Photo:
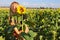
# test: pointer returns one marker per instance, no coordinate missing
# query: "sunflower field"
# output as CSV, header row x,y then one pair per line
x,y
44,24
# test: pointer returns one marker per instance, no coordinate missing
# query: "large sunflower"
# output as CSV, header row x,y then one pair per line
x,y
21,9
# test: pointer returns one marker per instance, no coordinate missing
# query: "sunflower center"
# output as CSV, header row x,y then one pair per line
x,y
21,9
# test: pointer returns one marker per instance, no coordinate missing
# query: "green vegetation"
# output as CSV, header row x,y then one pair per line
x,y
1,38
44,24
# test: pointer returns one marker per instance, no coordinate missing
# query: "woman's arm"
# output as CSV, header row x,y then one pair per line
x,y
27,29
17,31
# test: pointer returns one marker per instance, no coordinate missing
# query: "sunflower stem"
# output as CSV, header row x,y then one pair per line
x,y
22,23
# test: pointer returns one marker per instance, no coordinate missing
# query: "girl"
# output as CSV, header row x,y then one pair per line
x,y
13,22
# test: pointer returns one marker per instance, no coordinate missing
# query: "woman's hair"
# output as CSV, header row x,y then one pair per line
x,y
13,3
11,7
11,10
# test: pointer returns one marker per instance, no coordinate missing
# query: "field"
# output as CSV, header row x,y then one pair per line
x,y
44,24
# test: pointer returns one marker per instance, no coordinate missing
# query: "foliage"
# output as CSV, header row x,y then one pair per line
x,y
44,24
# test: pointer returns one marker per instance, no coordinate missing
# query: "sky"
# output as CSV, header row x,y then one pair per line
x,y
33,3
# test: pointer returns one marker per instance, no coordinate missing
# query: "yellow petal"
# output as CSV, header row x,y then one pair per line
x,y
21,10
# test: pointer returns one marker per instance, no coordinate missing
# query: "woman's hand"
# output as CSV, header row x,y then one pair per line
x,y
17,31
27,29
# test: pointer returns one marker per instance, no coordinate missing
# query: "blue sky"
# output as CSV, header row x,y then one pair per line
x,y
33,3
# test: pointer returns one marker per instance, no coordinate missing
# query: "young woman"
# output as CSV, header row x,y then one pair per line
x,y
13,22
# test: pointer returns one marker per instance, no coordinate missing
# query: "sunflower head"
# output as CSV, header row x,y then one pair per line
x,y
21,10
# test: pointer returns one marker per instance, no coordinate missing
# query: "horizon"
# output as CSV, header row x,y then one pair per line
x,y
26,7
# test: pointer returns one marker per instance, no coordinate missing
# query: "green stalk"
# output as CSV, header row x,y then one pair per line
x,y
54,35
22,23
56,20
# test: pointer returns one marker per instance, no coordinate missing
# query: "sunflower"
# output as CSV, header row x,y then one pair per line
x,y
21,9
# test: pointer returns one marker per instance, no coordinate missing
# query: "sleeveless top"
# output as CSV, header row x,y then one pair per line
x,y
18,19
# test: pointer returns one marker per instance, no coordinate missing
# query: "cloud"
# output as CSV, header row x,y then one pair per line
x,y
28,4
54,5
43,5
